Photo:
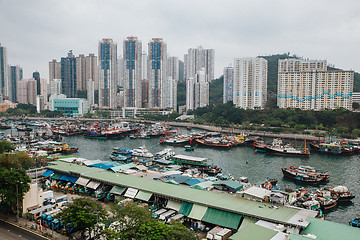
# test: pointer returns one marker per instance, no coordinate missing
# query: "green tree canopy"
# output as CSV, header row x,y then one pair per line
x,y
16,160
6,146
84,214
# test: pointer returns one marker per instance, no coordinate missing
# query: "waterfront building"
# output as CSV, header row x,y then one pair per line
x,y
55,87
157,57
132,72
86,68
228,84
70,106
134,112
68,75
15,75
54,70
91,92
3,72
250,83
307,84
198,58
107,73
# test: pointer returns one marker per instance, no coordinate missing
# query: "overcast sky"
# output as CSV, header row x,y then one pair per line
x,y
37,31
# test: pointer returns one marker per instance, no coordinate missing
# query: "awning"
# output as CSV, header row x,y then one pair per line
x,y
142,195
177,216
117,190
93,185
56,176
131,192
69,178
160,211
197,212
222,218
186,208
173,205
164,215
82,181
47,173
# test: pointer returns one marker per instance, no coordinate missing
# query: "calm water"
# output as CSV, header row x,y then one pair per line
x,y
242,161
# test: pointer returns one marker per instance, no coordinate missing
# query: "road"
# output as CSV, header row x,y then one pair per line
x,y
10,231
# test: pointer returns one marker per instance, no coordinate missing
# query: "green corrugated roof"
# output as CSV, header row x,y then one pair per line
x,y
254,232
67,167
211,199
142,195
117,190
197,212
323,229
185,208
247,221
222,218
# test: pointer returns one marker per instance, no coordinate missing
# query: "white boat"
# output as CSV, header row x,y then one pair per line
x,y
142,152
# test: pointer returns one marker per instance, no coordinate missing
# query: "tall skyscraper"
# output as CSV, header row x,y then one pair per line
x,y
3,72
86,68
190,94
54,70
43,92
32,91
107,73
91,92
157,57
201,89
228,84
250,83
172,82
36,76
68,75
307,84
132,72
198,58
22,96
55,87
15,75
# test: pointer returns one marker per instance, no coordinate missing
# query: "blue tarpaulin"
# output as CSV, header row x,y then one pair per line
x,y
47,173
69,178
104,165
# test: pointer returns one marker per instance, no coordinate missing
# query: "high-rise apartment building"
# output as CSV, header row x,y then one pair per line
x,y
68,75
107,73
36,76
132,72
172,82
54,70
43,91
27,91
86,68
199,59
250,83
91,92
173,68
55,87
3,73
15,75
201,89
157,57
307,84
190,94
228,84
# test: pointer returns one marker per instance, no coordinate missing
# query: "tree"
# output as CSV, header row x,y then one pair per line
x,y
135,222
84,214
6,146
14,184
16,160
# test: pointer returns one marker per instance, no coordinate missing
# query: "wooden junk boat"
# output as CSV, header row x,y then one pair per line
x,y
305,174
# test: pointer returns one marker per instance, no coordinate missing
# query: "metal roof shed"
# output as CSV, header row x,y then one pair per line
x,y
82,181
117,190
230,185
93,185
181,179
131,192
47,173
142,195
197,212
254,232
222,218
194,181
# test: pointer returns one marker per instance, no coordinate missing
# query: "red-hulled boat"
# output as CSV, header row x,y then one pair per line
x,y
342,193
213,143
305,174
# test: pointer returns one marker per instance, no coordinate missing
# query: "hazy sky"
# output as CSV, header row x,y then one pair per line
x,y
37,31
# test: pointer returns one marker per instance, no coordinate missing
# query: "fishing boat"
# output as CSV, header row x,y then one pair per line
x,y
176,141
335,148
342,193
287,150
213,143
260,146
305,174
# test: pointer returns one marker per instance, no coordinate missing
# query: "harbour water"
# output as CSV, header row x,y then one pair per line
x,y
243,161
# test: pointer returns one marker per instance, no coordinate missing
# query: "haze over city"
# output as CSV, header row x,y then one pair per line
x,y
35,32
